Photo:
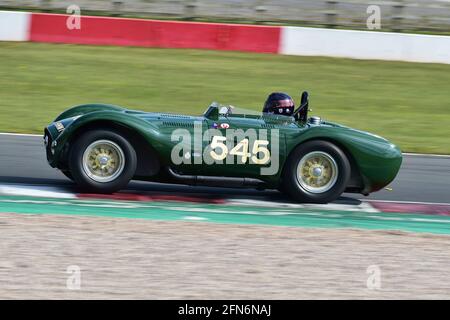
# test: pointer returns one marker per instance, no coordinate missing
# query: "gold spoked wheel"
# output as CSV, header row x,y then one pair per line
x,y
317,172
103,161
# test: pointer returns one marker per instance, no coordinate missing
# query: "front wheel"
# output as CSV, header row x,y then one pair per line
x,y
102,161
316,171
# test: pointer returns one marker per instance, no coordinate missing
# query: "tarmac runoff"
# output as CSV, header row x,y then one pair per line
x,y
421,217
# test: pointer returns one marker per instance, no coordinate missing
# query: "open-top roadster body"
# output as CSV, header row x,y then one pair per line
x,y
102,147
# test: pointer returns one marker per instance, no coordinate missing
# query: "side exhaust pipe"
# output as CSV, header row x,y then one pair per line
x,y
224,182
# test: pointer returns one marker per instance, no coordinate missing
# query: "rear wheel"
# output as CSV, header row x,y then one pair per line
x,y
316,171
102,161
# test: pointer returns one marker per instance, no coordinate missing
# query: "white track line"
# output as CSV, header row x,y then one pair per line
x,y
363,206
35,191
426,155
21,134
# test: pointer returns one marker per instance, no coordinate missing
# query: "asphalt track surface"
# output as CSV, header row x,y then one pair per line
x,y
421,178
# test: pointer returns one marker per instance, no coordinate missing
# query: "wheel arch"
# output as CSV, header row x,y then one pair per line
x,y
148,161
84,109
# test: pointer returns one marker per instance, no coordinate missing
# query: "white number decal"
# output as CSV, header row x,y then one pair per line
x,y
244,153
218,142
241,149
258,147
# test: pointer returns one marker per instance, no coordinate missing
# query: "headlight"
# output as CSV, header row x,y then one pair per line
x,y
52,149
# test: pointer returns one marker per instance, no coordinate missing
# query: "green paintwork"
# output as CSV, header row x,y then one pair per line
x,y
230,214
375,159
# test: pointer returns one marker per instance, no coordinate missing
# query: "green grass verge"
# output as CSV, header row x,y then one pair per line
x,y
408,103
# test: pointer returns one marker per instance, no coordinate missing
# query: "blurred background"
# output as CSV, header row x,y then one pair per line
x,y
399,15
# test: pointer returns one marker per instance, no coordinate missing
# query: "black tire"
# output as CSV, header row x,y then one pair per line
x,y
79,173
67,174
290,181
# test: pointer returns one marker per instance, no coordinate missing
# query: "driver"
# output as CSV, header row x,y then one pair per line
x,y
279,103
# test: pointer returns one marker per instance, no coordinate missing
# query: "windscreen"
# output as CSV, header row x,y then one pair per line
x,y
234,111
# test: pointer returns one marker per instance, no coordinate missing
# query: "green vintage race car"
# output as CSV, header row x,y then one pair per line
x,y
102,147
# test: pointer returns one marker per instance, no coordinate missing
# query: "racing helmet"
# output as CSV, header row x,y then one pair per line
x,y
279,103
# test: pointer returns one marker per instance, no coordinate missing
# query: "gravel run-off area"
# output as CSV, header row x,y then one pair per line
x,y
142,259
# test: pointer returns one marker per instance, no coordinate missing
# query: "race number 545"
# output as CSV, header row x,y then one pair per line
x,y
260,153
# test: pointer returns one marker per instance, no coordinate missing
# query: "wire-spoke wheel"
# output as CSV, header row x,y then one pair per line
x,y
102,161
316,171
